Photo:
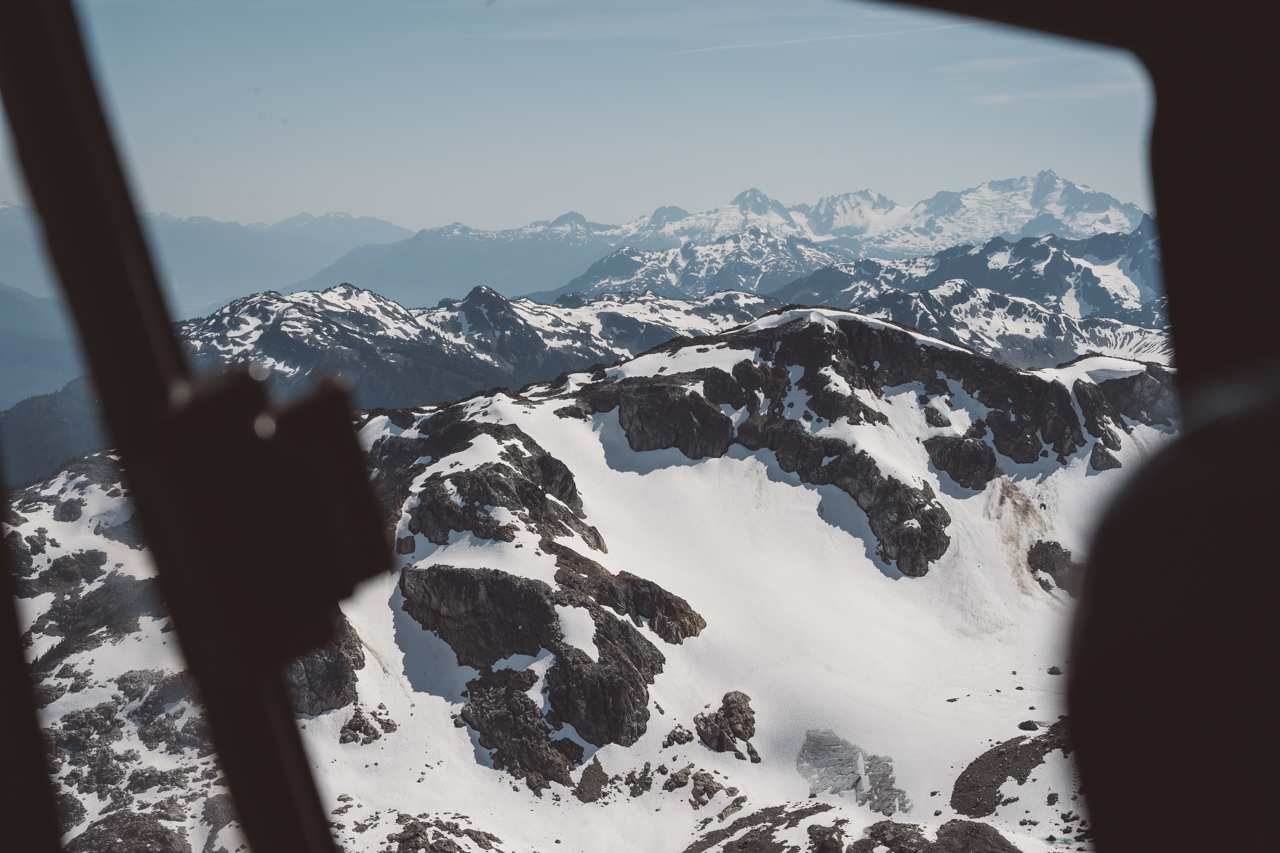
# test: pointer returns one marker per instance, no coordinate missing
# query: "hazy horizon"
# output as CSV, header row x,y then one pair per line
x,y
497,115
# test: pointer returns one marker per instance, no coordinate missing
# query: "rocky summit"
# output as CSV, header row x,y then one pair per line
x,y
795,585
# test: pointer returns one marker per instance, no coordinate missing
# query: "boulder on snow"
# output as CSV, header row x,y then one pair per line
x,y
970,462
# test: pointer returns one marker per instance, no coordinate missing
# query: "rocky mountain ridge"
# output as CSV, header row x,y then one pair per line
x,y
795,584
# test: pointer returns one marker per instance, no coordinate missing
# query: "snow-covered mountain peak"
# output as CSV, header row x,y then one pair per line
x,y
798,582
753,201
665,214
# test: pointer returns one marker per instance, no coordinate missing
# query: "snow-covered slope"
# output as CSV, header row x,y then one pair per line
x,y
1115,276
753,260
799,585
393,356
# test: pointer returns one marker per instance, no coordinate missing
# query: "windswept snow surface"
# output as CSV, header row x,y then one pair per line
x,y
911,678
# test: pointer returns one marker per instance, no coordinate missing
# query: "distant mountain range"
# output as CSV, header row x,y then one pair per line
x,y
37,349
541,258
390,355
394,356
206,263
1115,276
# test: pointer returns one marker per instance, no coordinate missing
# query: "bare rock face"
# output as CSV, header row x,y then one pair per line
x,y
1149,397
669,615
977,789
325,679
661,412
487,616
606,701
1101,459
1055,561
107,612
832,764
759,831
130,832
483,614
732,721
71,812
954,836
535,486
511,725
969,462
1100,418
657,416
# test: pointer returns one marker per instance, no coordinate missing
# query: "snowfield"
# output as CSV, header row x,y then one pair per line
x,y
818,541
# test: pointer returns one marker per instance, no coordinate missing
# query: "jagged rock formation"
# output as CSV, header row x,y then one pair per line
x,y
130,832
832,764
325,679
825,425
954,836
1027,415
758,831
969,462
538,489
669,616
1055,561
487,616
977,789
732,721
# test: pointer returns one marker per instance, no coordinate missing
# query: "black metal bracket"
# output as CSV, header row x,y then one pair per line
x,y
260,519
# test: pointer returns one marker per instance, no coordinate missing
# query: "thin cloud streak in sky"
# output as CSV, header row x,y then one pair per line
x,y
821,38
1073,94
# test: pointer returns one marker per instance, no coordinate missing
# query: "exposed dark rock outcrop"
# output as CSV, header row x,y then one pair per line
x,y
535,486
908,521
1055,561
325,679
486,616
114,605
71,812
1101,459
592,784
954,836
757,832
977,789
970,462
669,615
147,694
1100,418
433,836
1149,397
732,721
678,736
359,729
656,416
216,813
511,725
65,574
130,832
483,614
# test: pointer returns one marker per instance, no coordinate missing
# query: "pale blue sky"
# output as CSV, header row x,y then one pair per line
x,y
496,114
